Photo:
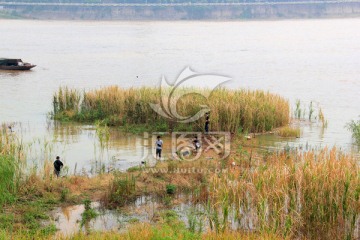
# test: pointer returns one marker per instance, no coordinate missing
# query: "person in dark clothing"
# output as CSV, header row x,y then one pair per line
x,y
57,166
207,122
196,143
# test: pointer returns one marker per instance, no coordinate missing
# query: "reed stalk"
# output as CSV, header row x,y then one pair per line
x,y
294,195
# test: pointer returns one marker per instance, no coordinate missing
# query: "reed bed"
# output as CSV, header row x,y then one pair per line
x,y
290,194
230,110
289,132
298,195
10,154
285,195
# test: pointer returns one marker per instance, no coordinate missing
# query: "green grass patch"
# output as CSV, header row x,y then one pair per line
x,y
354,127
289,132
7,179
134,169
121,191
89,213
170,188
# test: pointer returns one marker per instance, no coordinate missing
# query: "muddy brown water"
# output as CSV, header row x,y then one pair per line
x,y
146,209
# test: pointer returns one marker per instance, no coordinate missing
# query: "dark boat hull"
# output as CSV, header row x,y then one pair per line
x,y
22,68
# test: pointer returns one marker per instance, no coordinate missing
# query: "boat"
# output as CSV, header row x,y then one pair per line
x,y
14,64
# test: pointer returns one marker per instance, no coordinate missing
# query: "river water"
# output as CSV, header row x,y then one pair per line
x,y
310,60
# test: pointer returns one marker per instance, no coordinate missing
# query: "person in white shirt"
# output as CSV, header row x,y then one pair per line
x,y
159,144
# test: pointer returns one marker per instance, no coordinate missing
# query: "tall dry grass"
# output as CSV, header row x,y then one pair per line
x,y
311,195
295,195
145,231
231,110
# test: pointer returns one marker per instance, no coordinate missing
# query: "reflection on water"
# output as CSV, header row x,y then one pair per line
x,y
66,133
149,209
68,219
144,209
80,150
79,147
84,150
312,134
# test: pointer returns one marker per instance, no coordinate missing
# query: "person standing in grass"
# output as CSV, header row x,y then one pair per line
x,y
57,166
207,122
158,144
196,143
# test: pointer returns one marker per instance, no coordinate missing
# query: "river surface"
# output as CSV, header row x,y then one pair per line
x,y
310,60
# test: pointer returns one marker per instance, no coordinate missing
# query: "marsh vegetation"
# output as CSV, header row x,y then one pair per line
x,y
231,110
280,195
